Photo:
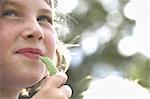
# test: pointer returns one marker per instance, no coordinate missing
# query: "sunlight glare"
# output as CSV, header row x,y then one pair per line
x,y
115,87
139,41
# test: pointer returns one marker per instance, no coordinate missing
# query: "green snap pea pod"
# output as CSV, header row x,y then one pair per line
x,y
49,64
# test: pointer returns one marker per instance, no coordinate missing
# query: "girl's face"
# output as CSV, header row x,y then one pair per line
x,y
26,33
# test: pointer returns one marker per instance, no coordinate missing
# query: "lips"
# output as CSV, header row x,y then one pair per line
x,y
32,53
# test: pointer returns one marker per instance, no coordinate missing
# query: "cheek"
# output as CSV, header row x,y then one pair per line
x,y
6,40
4,43
50,43
9,31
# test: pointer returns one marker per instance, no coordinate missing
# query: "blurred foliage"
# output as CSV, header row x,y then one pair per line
x,y
106,59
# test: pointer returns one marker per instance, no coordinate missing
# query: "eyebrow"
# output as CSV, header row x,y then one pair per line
x,y
48,11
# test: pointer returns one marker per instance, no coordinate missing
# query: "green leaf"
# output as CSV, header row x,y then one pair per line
x,y
50,65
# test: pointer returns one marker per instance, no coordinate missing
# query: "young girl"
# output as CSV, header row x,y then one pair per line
x,y
26,33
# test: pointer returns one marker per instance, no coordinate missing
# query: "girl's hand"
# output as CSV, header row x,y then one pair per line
x,y
54,87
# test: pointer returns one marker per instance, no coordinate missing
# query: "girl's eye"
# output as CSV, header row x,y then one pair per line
x,y
44,19
9,13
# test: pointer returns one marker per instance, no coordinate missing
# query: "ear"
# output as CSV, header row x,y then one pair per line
x,y
60,60
62,57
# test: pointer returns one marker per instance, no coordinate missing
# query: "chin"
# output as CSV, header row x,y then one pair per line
x,y
32,78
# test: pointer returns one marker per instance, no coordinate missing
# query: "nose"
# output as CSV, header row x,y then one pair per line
x,y
32,31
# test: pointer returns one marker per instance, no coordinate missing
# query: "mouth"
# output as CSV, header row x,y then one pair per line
x,y
32,53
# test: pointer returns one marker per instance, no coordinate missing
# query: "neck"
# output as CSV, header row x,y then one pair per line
x,y
8,90
9,93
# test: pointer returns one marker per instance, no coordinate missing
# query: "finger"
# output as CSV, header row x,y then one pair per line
x,y
66,90
57,80
43,82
